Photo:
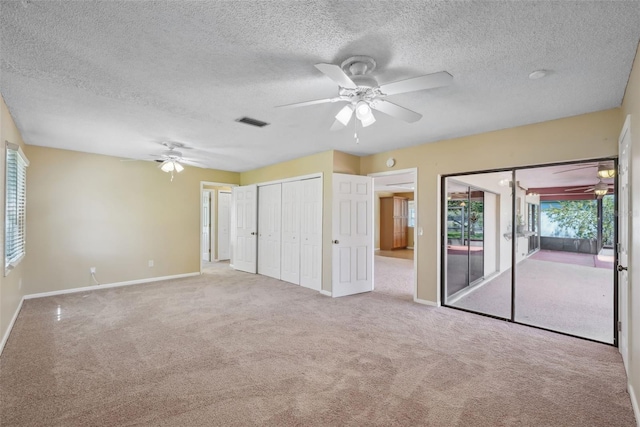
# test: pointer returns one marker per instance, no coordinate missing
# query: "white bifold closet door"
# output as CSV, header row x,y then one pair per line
x,y
311,234
269,229
291,204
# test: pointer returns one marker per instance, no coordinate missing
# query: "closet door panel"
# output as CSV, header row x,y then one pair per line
x,y
311,234
291,207
269,229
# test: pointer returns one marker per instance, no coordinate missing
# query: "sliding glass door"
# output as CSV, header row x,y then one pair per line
x,y
534,246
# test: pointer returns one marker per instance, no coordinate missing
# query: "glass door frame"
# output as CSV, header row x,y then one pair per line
x,y
512,170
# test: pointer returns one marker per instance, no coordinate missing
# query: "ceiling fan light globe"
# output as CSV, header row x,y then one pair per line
x,y
167,166
345,114
178,167
605,171
600,191
362,110
368,120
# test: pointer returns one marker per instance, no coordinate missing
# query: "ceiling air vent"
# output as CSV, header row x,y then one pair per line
x,y
252,122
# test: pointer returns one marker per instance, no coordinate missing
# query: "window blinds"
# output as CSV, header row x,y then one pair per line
x,y
15,206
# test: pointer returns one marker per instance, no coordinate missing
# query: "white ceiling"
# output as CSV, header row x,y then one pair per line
x,y
118,77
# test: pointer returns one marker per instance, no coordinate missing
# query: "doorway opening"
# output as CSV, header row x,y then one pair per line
x,y
215,225
534,246
395,225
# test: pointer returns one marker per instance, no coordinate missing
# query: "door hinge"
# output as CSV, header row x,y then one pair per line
x,y
619,326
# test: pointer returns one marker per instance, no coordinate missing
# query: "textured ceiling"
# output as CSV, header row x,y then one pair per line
x,y
117,77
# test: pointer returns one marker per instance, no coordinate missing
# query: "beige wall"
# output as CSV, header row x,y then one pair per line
x,y
12,287
631,105
346,163
89,210
575,138
316,163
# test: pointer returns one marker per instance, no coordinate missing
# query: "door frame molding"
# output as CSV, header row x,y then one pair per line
x,y
202,190
293,178
416,234
626,129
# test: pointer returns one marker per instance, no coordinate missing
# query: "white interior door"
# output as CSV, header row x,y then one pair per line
x,y
206,224
623,241
352,234
244,228
224,225
311,234
269,229
291,203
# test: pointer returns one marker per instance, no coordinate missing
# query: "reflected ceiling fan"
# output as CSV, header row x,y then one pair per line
x,y
605,169
362,93
600,189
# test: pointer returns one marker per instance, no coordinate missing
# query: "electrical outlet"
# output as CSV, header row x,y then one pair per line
x,y
150,263
92,270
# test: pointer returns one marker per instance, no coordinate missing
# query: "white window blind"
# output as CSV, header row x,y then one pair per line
x,y
15,206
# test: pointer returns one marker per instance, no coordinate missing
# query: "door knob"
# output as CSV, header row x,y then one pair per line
x,y
253,233
621,268
335,242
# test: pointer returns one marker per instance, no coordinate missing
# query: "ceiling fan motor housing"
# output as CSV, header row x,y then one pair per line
x,y
172,155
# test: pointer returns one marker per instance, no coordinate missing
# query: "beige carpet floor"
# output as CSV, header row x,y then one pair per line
x,y
568,298
394,277
234,349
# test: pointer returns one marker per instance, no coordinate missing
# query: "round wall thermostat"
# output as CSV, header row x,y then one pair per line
x,y
391,162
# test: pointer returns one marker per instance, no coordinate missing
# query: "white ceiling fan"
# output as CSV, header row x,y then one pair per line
x,y
172,159
362,93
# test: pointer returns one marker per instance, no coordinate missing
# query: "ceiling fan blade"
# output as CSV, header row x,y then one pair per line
x,y
580,188
337,125
428,81
314,102
395,110
575,169
192,163
336,74
588,190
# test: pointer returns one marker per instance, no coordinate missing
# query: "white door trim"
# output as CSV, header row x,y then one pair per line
x,y
202,185
416,229
623,341
294,178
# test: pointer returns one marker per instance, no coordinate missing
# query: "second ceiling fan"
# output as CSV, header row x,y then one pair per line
x,y
362,93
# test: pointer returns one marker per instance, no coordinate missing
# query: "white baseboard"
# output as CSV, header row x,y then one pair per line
x,y
426,302
410,247
634,403
109,285
327,293
376,249
13,320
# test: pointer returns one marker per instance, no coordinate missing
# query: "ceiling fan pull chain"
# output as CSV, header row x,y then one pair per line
x,y
355,131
